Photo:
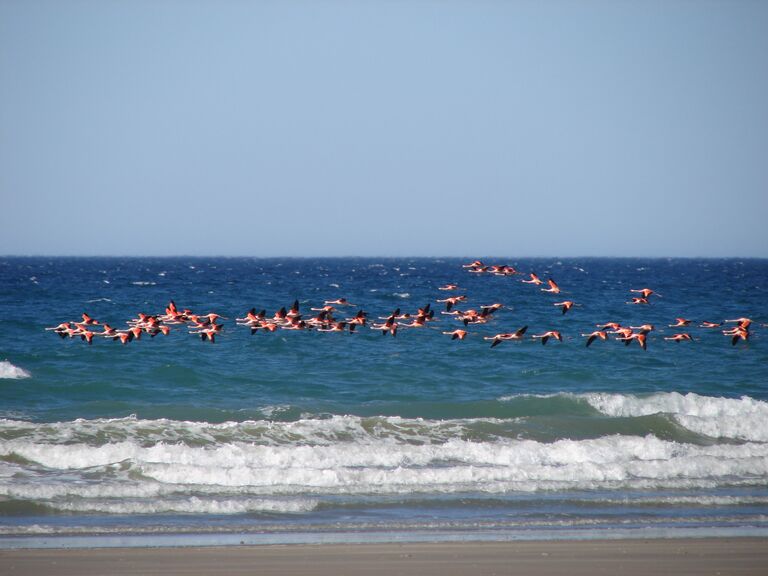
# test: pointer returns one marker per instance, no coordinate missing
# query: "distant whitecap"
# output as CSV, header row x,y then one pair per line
x,y
11,372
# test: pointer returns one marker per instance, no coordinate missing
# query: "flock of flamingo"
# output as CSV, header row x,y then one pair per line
x,y
323,319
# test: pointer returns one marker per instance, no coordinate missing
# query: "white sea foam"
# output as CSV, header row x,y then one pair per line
x,y
703,500
190,505
9,371
387,466
743,418
307,431
129,465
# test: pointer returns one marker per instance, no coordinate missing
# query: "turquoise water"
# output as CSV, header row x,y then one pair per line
x,y
301,435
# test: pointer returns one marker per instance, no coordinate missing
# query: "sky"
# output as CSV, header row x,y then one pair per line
x,y
384,128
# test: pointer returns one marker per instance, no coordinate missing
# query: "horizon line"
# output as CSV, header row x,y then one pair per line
x,y
352,256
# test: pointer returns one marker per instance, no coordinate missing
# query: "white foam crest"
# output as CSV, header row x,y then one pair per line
x,y
704,500
744,418
308,431
11,372
191,505
382,466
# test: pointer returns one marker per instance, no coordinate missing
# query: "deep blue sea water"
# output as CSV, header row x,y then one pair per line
x,y
312,436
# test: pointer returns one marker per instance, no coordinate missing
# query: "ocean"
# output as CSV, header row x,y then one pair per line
x,y
310,436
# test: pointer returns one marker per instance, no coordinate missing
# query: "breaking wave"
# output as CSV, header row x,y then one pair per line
x,y
11,372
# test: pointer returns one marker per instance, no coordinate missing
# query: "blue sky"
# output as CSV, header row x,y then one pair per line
x,y
389,128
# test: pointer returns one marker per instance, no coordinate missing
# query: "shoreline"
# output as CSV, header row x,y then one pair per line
x,y
236,539
734,556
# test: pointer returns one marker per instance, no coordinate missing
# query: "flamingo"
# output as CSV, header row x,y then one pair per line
x,y
457,334
62,329
553,287
490,308
124,337
339,302
592,336
679,337
644,292
87,320
209,332
155,330
389,326
499,338
639,338
742,322
738,334
547,335
533,279
449,302
337,327
107,331
294,311
566,305
358,320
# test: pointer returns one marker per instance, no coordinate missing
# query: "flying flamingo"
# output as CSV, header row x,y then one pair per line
x,y
547,335
594,335
639,338
737,334
499,338
457,334
449,302
566,305
534,279
679,337
644,292
339,302
553,287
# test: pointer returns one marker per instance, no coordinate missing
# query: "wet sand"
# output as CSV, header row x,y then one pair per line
x,y
736,556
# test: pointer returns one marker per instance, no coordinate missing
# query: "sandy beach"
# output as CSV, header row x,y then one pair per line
x,y
737,556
